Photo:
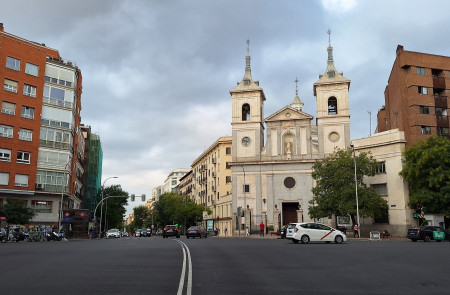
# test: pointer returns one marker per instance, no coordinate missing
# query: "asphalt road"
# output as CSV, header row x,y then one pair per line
x,y
223,266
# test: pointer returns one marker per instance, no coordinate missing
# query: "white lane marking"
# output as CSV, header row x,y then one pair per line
x,y
189,274
181,285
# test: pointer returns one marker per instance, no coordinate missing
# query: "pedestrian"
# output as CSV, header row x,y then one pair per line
x,y
247,233
356,231
261,229
216,231
225,231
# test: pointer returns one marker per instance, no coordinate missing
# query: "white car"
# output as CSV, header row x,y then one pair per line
x,y
290,230
113,233
316,232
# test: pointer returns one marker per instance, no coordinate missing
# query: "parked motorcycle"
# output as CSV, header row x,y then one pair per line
x,y
17,235
53,236
3,235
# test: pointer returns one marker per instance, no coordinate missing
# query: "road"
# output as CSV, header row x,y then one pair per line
x,y
223,266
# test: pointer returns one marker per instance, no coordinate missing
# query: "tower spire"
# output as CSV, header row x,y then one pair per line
x,y
297,103
248,70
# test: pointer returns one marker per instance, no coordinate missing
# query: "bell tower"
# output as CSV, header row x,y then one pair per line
x,y
247,116
333,115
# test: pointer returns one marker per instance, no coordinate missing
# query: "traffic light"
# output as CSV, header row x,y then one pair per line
x,y
132,197
143,198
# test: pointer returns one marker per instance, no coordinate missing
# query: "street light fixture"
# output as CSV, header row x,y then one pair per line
x,y
356,192
101,208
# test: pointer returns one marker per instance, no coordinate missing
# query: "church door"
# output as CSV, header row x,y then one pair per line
x,y
290,213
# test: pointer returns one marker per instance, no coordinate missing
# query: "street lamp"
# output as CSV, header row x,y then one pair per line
x,y
65,182
101,208
356,192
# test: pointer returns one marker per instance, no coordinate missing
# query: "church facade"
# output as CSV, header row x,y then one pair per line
x,y
272,180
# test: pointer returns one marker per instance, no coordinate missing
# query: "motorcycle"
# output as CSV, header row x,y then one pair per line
x,y
3,235
17,235
53,236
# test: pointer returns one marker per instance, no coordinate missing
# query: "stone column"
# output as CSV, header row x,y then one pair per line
x,y
275,220
300,215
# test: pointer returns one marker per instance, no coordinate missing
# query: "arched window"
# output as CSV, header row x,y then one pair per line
x,y
332,106
245,112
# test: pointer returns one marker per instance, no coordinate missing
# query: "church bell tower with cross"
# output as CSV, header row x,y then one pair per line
x,y
333,115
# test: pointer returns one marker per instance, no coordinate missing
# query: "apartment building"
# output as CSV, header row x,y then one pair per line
x,y
171,182
41,147
416,97
185,186
212,183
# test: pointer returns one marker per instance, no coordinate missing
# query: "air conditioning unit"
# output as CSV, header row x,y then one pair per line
x,y
39,186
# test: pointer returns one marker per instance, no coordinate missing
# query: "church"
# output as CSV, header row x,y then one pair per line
x,y
272,157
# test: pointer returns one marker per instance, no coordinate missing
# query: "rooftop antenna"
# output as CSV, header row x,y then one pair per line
x,y
296,86
248,45
329,35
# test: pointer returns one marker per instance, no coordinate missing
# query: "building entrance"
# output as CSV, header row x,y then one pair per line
x,y
289,212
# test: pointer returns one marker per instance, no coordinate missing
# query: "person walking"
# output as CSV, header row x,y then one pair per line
x,y
247,233
225,231
261,229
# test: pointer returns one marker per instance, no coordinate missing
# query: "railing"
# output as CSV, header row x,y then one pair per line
x,y
440,100
58,102
54,144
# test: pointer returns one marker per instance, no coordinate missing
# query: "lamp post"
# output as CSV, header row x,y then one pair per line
x,y
101,208
65,182
245,204
356,192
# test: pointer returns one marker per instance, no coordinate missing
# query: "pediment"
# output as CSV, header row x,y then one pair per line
x,y
289,114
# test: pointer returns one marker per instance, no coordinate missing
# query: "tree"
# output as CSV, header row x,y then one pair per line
x,y
334,193
177,209
427,170
17,213
115,207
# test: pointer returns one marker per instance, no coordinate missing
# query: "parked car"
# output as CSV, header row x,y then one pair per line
x,y
113,233
290,230
316,232
196,231
137,233
146,232
171,230
425,233
125,234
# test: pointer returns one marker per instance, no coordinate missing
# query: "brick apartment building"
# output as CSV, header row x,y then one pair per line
x,y
416,97
41,144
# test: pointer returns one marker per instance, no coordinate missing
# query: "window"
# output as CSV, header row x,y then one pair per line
x,y
425,130
25,134
6,131
227,179
289,182
381,168
246,188
424,110
421,71
443,131
381,189
4,178
29,90
8,108
41,206
423,89
441,112
23,157
21,180
228,151
10,85
27,112
5,155
13,63
332,106
31,69
174,182
228,165
245,112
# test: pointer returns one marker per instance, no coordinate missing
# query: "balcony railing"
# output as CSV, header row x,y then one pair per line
x,y
440,101
54,144
58,102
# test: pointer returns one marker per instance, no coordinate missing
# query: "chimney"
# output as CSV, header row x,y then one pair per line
x,y
399,50
1,27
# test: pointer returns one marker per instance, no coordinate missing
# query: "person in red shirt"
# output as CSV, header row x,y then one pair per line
x,y
261,229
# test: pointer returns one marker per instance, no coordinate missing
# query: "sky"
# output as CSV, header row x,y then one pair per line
x,y
157,74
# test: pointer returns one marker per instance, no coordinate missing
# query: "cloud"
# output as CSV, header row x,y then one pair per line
x,y
339,6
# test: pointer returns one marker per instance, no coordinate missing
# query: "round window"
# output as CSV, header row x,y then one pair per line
x,y
334,136
289,182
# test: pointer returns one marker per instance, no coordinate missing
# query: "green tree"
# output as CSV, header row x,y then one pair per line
x,y
427,170
334,193
140,214
17,213
177,209
114,208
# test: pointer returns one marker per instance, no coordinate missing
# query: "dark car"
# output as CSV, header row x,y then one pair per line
x,y
171,230
425,233
146,232
196,231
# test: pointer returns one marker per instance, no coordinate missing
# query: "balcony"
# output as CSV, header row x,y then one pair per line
x,y
439,82
58,102
54,144
440,101
214,174
442,121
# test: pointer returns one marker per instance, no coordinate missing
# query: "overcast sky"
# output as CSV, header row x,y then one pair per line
x,y
157,74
